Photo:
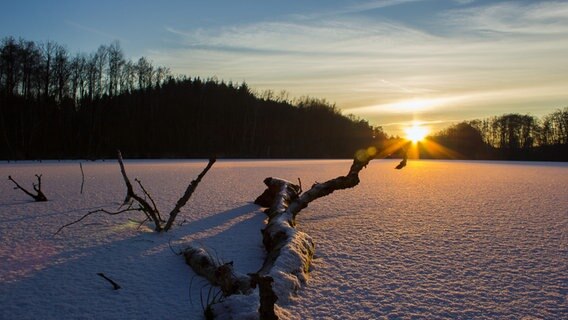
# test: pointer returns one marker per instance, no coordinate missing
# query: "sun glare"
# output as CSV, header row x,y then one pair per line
x,y
416,132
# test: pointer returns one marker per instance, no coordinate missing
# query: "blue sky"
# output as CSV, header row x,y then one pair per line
x,y
389,61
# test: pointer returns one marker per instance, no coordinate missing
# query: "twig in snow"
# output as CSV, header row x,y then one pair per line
x,y
129,208
82,176
37,188
115,285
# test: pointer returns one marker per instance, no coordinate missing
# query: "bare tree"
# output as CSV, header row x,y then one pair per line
x,y
115,63
48,52
101,58
145,72
61,71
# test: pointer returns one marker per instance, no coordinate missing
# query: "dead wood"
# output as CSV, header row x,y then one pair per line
x,y
129,190
136,202
267,297
115,285
152,211
218,274
145,207
112,213
82,177
39,196
289,251
187,194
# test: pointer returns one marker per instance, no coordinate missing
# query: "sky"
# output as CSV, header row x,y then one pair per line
x,y
391,62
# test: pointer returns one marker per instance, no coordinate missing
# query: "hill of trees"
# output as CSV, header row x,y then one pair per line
x,y
506,137
55,105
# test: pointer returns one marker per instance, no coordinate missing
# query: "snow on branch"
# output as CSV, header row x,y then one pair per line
x,y
289,251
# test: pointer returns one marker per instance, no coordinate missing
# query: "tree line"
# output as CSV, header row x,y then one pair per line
x,y
506,137
58,105
55,105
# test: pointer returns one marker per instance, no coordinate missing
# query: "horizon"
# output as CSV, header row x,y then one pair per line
x,y
391,62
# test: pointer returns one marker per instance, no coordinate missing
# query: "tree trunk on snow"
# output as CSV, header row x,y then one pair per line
x,y
289,251
218,274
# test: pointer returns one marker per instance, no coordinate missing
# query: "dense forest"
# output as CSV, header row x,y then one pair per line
x,y
55,105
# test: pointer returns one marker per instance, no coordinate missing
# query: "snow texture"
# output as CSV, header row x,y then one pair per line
x,y
439,239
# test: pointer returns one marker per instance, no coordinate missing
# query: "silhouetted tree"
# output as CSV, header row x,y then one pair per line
x,y
57,105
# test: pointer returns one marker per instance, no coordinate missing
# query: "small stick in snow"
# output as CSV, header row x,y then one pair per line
x,y
115,285
37,188
82,176
402,163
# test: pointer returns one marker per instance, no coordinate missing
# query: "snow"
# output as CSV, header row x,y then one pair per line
x,y
438,239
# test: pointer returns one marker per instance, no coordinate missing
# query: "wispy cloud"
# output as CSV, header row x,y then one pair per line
x,y
505,54
538,18
377,4
92,30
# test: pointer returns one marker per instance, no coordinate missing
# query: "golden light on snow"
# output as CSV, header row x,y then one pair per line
x,y
416,132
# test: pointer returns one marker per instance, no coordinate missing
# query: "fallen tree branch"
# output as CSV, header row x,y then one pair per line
x,y
267,297
218,274
289,251
39,196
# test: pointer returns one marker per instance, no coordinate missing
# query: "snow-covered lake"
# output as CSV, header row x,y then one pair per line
x,y
438,239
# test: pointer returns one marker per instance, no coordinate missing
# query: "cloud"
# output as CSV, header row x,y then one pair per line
x,y
92,30
377,4
490,57
537,18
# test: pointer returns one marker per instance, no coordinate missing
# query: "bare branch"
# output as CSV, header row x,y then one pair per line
x,y
82,176
145,206
402,163
149,197
188,192
112,213
39,197
129,190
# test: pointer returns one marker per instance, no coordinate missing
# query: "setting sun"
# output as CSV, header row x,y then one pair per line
x,y
416,132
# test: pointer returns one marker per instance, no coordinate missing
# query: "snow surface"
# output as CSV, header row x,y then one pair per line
x,y
438,239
